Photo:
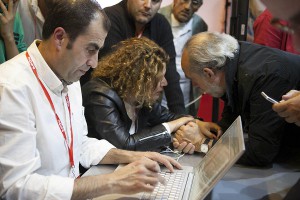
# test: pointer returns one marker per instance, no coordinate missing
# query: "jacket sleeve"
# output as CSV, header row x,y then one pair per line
x,y
265,127
172,91
106,121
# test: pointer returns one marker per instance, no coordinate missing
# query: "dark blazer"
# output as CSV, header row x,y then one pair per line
x,y
107,118
254,69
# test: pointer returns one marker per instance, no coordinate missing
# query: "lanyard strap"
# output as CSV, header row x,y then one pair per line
x,y
70,148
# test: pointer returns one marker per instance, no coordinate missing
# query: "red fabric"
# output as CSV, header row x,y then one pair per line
x,y
268,35
206,108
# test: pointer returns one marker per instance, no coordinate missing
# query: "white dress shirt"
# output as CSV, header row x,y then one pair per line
x,y
34,160
32,20
181,33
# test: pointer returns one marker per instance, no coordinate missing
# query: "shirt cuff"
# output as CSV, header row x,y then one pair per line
x,y
60,187
167,127
93,151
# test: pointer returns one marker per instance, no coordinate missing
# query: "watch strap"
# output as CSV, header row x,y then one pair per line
x,y
214,142
206,141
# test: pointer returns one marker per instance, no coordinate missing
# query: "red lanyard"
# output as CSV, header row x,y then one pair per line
x,y
70,148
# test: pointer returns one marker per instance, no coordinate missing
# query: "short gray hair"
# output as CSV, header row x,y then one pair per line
x,y
210,49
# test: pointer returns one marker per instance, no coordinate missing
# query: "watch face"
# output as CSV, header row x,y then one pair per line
x,y
204,148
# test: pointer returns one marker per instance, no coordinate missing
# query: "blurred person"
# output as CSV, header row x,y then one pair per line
x,y
184,23
33,13
256,7
11,30
268,35
136,18
42,125
238,72
121,99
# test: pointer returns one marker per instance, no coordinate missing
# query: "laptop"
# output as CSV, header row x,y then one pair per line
x,y
195,183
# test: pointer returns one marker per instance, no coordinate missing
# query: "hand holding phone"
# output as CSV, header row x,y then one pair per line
x,y
268,98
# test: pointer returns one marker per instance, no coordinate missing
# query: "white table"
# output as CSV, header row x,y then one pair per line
x,y
241,183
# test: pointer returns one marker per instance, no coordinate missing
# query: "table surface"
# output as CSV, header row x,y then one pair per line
x,y
243,183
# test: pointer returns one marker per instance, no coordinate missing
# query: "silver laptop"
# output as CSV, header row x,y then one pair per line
x,y
195,183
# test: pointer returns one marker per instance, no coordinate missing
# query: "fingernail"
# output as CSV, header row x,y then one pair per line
x,y
162,180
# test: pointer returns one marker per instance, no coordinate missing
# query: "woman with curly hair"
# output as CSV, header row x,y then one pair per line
x,y
121,98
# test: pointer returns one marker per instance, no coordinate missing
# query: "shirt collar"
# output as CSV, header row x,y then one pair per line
x,y
45,73
231,71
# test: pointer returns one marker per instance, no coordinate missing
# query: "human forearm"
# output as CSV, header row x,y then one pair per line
x,y
91,186
118,156
10,48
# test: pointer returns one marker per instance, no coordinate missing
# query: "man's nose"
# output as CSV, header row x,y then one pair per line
x,y
147,3
93,61
187,5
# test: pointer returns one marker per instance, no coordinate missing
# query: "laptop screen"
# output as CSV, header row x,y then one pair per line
x,y
218,160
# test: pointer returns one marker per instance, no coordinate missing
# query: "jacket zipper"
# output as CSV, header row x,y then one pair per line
x,y
152,136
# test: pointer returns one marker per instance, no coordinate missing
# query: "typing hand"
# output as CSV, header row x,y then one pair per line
x,y
165,160
138,176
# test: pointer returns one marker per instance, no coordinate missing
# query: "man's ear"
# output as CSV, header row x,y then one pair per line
x,y
59,36
209,73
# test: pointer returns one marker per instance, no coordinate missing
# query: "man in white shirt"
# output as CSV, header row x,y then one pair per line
x,y
42,126
184,23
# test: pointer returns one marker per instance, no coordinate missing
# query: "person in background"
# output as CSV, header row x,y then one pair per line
x,y
184,23
238,72
268,35
256,7
42,125
289,107
121,99
33,13
11,30
136,18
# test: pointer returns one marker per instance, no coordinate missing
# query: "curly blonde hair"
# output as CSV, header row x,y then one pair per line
x,y
134,69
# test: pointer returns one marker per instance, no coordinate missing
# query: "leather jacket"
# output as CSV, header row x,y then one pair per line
x,y
107,118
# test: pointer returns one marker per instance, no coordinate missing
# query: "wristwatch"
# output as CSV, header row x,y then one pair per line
x,y
204,146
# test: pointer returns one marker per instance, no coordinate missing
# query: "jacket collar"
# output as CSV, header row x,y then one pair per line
x,y
231,77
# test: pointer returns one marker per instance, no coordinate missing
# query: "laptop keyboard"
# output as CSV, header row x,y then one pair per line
x,y
174,188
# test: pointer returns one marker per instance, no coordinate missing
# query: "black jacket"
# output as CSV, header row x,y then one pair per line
x,y
159,31
254,69
107,118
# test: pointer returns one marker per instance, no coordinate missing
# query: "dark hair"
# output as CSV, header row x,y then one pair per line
x,y
74,16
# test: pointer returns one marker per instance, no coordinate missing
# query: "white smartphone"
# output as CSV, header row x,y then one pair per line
x,y
268,98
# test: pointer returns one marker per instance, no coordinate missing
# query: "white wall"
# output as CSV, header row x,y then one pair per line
x,y
212,11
